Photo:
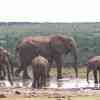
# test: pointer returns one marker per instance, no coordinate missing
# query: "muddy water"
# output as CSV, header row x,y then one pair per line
x,y
69,83
65,83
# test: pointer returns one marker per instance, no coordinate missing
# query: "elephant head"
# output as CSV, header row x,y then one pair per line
x,y
63,44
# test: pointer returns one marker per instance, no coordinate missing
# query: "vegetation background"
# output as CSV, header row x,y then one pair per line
x,y
87,35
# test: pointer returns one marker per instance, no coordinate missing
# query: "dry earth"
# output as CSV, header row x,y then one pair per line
x,y
47,94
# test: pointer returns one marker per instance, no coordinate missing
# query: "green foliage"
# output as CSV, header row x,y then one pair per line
x,y
88,43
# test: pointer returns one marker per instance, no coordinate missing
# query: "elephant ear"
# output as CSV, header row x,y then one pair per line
x,y
59,44
28,40
65,41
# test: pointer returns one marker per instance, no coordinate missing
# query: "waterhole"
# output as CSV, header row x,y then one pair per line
x,y
65,83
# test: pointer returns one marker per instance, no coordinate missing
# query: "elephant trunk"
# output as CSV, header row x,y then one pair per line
x,y
9,70
74,53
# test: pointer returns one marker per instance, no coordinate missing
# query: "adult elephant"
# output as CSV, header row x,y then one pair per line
x,y
50,47
93,64
40,67
5,65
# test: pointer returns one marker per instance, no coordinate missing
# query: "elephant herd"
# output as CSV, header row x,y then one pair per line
x,y
40,52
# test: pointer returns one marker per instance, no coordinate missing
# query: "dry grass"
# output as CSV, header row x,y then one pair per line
x,y
69,72
60,94
28,98
84,98
54,98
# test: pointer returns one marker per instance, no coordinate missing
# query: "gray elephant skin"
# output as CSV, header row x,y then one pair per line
x,y
40,67
50,47
5,65
93,64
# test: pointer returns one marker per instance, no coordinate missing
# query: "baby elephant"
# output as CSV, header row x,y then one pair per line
x,y
94,65
40,68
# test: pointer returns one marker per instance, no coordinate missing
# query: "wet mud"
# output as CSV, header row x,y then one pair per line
x,y
53,83
55,88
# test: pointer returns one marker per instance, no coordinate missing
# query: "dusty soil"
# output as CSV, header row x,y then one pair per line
x,y
56,94
68,88
65,92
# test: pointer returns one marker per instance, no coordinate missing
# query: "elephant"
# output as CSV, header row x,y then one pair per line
x,y
52,47
40,67
94,65
5,65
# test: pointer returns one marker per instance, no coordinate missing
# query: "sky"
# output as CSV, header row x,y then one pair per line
x,y
50,10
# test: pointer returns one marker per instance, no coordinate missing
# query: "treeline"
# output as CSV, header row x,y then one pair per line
x,y
88,42
88,45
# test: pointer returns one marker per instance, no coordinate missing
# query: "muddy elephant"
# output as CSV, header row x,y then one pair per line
x,y
93,64
40,67
50,47
5,65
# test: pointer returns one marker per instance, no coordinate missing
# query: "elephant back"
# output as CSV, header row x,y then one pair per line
x,y
39,60
36,39
95,59
94,62
41,64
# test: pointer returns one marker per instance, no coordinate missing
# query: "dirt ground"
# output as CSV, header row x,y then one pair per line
x,y
49,94
27,93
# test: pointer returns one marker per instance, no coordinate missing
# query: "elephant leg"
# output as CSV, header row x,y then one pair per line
x,y
9,74
59,68
35,83
8,67
59,71
21,68
12,67
99,75
34,80
4,72
43,79
49,68
25,74
17,72
88,70
95,76
2,75
38,81
12,70
76,71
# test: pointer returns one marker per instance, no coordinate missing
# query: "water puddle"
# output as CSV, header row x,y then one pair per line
x,y
65,83
68,83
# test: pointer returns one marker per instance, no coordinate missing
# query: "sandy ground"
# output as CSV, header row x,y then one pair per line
x,y
27,93
52,94
69,92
